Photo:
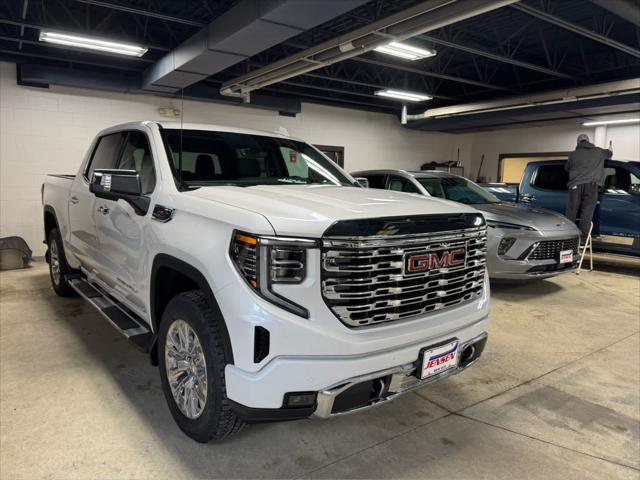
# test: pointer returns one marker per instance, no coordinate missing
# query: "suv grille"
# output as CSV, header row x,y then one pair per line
x,y
550,249
366,281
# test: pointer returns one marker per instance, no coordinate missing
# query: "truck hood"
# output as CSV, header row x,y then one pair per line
x,y
308,210
538,218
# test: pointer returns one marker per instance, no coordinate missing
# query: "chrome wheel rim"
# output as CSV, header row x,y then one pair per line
x,y
186,369
54,263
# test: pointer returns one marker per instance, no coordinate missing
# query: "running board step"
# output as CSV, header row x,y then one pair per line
x,y
122,319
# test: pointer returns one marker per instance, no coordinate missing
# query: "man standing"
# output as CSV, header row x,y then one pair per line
x,y
586,174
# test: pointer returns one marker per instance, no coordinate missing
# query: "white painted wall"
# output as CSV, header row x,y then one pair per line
x,y
558,138
48,130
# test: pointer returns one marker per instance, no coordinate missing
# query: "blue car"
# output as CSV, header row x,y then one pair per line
x,y
616,222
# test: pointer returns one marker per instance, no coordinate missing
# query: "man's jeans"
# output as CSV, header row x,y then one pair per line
x,y
582,204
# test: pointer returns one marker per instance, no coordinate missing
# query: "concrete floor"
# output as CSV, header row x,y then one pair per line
x,y
557,395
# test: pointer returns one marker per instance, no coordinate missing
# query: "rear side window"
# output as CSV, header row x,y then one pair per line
x,y
620,181
551,177
375,181
105,153
399,184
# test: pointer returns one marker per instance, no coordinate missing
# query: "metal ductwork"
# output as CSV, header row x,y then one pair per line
x,y
246,29
44,76
424,17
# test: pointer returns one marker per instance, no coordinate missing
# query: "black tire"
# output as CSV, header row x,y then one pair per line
x,y
58,261
217,420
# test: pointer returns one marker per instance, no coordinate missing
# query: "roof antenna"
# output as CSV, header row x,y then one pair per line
x,y
181,130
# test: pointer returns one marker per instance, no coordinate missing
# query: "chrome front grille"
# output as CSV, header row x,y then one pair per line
x,y
550,249
365,280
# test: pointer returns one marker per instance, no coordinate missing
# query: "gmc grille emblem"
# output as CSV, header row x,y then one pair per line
x,y
423,262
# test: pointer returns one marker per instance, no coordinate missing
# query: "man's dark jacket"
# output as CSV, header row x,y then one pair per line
x,y
586,164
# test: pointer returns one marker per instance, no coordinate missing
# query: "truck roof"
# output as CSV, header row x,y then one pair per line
x,y
176,125
409,173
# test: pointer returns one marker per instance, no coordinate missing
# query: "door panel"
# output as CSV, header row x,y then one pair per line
x,y
548,188
121,230
83,240
619,210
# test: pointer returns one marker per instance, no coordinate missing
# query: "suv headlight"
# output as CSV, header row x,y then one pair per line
x,y
508,226
264,261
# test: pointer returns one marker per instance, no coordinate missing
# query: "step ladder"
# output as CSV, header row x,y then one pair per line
x,y
588,246
121,318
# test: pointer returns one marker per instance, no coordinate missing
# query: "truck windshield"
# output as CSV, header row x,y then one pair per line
x,y
226,158
457,189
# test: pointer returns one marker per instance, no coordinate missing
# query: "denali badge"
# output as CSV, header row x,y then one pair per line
x,y
422,262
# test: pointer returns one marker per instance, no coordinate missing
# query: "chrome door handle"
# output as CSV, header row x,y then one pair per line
x,y
103,210
74,199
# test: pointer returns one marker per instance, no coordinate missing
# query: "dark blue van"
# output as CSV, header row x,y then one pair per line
x,y
616,224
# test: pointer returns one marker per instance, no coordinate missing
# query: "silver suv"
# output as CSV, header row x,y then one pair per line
x,y
522,242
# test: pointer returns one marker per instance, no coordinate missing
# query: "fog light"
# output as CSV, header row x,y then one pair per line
x,y
505,244
299,399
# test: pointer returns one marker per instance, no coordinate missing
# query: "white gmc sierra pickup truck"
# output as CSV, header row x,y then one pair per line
x,y
260,277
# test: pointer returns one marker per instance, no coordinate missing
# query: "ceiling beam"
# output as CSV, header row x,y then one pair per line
x,y
365,84
426,73
423,17
331,100
22,53
497,58
144,13
572,27
625,9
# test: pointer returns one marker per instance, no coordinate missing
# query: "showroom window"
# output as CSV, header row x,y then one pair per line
x,y
551,177
136,155
104,156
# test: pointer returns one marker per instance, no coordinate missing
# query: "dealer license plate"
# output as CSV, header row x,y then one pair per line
x,y
566,256
436,360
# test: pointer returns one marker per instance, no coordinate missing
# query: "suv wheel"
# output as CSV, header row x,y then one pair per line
x,y
58,267
191,357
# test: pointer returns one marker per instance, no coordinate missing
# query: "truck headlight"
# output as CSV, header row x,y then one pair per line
x,y
264,261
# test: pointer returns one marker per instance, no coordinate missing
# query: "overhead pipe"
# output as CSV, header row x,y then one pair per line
x,y
577,94
422,18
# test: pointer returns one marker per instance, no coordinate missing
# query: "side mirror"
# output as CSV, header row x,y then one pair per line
x,y
120,184
362,181
635,189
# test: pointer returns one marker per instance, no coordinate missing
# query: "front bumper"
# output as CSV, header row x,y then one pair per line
x,y
364,391
515,264
260,394
385,386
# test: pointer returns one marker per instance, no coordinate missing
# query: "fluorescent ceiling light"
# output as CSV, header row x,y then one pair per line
x,y
402,50
611,122
402,95
91,43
